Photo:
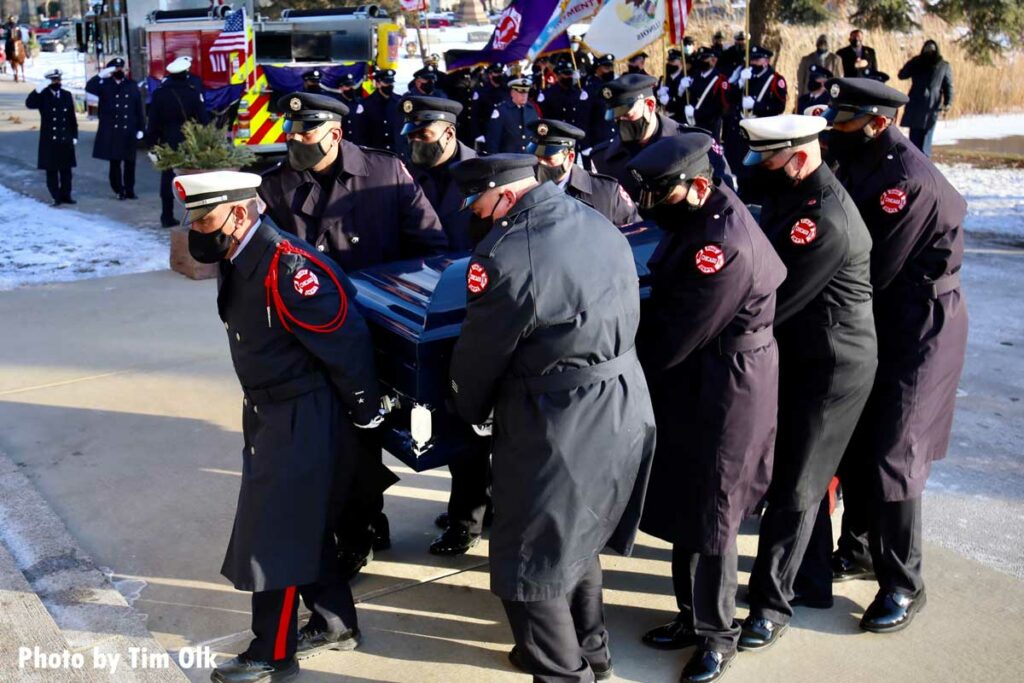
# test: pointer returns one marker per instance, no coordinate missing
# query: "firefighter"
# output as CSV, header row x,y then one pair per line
x,y
311,82
565,101
708,93
58,135
349,93
599,129
361,207
507,130
815,101
174,103
491,92
380,120
827,351
425,82
308,380
712,365
121,125
573,430
555,144
916,221
632,105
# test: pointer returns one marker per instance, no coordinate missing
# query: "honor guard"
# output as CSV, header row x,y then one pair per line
x,y
632,106
599,128
637,63
121,125
814,102
425,82
706,96
555,366
305,360
555,144
712,365
759,91
565,101
459,87
380,122
491,92
825,331
350,95
312,82
174,103
507,129
58,135
916,222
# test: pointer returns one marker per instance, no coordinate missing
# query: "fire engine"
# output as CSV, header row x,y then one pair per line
x,y
245,72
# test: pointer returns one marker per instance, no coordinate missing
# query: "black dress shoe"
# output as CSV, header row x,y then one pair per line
x,y
706,666
441,521
891,612
351,560
313,641
381,532
845,569
130,195
602,672
168,221
241,669
760,634
121,196
801,600
454,541
516,660
674,635
57,202
68,200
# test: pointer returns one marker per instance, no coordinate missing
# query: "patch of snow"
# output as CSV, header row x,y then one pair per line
x,y
995,198
982,127
71,63
44,244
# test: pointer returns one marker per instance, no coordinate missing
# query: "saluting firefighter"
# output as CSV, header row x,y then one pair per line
x,y
121,125
916,222
827,352
308,380
58,135
547,349
712,364
507,130
430,126
555,146
632,105
361,207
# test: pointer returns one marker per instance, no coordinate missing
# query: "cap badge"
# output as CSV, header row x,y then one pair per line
x,y
295,104
606,93
834,92
408,106
542,129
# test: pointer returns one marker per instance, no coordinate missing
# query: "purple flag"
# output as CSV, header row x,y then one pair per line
x,y
518,26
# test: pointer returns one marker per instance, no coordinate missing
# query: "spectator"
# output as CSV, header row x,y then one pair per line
x,y
931,92
821,57
857,57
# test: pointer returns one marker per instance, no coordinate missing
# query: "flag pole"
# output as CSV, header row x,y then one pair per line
x,y
746,58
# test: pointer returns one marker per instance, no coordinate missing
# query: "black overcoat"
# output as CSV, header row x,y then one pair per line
x,y
447,200
174,103
604,194
120,118
931,88
58,128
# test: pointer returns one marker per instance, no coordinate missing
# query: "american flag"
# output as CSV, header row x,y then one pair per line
x,y
231,39
678,12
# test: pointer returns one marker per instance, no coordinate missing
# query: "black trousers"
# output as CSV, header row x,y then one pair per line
x,y
559,639
357,524
781,545
166,194
814,579
896,546
705,587
58,182
471,490
122,176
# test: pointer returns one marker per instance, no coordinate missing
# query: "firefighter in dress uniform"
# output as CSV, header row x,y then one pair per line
x,y
507,129
306,365
312,83
565,101
555,144
708,93
547,349
827,352
712,365
600,130
58,135
381,121
361,207
350,94
491,92
814,102
426,82
121,125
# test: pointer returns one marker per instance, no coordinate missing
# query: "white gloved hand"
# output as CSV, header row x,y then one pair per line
x,y
576,75
748,102
377,421
689,112
153,157
74,141
41,87
138,135
105,73
486,428
745,74
663,95
684,83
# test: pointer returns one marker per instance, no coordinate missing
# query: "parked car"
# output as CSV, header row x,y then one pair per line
x,y
56,40
48,26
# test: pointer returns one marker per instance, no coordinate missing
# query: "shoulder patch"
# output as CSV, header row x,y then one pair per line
x,y
781,82
804,231
306,282
476,278
893,200
494,113
710,259
584,96
359,109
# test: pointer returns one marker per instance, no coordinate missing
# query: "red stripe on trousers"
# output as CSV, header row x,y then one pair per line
x,y
281,643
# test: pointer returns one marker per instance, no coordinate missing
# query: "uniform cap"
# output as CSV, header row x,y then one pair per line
x,y
496,68
622,93
200,193
384,75
674,54
766,136
477,175
879,76
312,75
305,111
704,53
427,73
564,68
670,161
116,62
179,65
815,71
421,111
758,52
637,55
853,97
605,60
347,80
551,137
53,75
521,84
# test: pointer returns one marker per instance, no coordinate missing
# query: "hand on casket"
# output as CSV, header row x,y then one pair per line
x,y
377,421
487,427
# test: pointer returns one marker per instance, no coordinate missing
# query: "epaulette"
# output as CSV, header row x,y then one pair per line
x,y
376,150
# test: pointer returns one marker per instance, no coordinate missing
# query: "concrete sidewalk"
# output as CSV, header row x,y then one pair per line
x,y
118,401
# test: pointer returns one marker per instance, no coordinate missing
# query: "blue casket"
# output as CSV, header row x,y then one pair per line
x,y
415,310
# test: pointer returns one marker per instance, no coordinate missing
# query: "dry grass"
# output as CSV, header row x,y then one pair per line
x,y
976,88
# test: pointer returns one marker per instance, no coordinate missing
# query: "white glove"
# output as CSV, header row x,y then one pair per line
x,y
576,75
486,428
372,424
105,73
745,74
153,157
689,111
74,141
684,83
138,136
479,138
663,95
748,103
41,87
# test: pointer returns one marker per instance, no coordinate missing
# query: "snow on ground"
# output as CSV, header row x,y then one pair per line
x,y
71,63
995,198
983,127
45,244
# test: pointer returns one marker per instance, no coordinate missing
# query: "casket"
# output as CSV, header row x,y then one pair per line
x,y
415,310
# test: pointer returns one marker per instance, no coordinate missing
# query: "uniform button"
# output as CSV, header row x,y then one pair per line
x,y
245,401
256,409
504,224
354,239
716,216
238,337
252,450
888,156
225,326
319,247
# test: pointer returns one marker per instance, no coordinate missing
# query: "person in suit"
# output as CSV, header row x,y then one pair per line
x,y
857,57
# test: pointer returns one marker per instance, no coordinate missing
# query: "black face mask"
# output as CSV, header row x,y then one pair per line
x,y
566,81
552,173
822,49
302,157
55,87
427,87
482,226
210,247
855,43
118,75
846,146
346,93
704,65
671,69
386,90
610,76
427,154
632,131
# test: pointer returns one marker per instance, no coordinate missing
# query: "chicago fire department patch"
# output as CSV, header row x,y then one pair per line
x,y
306,282
476,278
804,231
710,259
893,200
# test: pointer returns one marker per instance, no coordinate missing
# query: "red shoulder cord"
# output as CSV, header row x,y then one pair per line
x,y
270,284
